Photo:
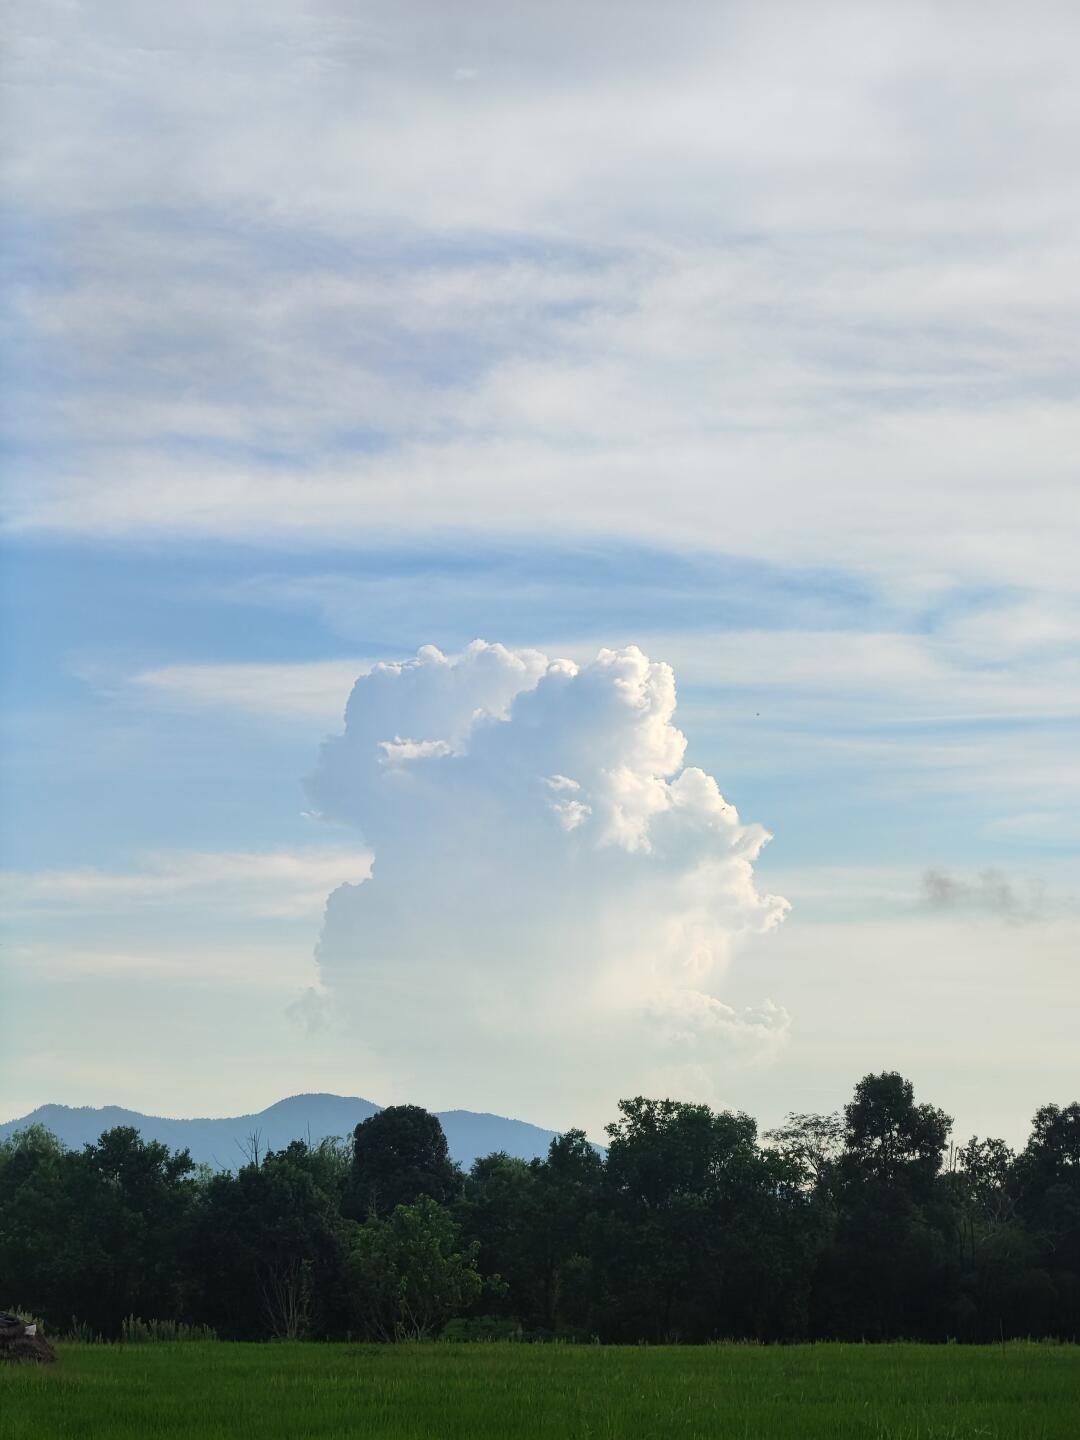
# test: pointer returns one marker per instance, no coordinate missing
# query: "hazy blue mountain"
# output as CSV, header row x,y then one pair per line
x,y
224,1143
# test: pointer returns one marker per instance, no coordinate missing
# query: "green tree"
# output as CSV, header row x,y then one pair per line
x,y
408,1275
399,1155
501,1212
813,1142
97,1233
1048,1199
891,1140
269,1249
535,1222
668,1163
570,1180
134,1199
37,1215
890,1270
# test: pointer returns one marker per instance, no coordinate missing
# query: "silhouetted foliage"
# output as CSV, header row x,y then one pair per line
x,y
884,1273
399,1155
865,1225
268,1248
95,1233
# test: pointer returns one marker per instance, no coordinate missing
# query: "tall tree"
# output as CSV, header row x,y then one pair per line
x,y
37,1212
535,1222
887,1272
569,1187
399,1155
1048,1176
667,1165
501,1212
891,1140
813,1142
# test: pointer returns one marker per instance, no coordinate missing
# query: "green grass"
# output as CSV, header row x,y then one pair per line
x,y
471,1392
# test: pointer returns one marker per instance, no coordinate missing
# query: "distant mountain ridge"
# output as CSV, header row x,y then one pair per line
x,y
224,1143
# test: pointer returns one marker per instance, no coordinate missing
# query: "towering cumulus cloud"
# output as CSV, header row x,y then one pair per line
x,y
554,897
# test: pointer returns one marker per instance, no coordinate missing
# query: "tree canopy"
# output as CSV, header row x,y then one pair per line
x,y
399,1155
860,1225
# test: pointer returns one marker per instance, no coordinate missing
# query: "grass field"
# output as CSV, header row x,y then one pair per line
x,y
469,1392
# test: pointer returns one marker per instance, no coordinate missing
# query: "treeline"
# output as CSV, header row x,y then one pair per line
x,y
863,1225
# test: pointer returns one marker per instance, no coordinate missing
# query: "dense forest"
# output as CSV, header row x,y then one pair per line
x,y
862,1225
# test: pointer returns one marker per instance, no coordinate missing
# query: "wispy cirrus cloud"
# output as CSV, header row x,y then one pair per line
x,y
323,287
1019,663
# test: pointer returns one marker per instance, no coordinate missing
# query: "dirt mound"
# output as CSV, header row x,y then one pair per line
x,y
22,1343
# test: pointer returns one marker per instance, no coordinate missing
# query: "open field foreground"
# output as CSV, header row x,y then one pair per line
x,y
442,1392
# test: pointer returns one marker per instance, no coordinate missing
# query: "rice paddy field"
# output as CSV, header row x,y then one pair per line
x,y
470,1392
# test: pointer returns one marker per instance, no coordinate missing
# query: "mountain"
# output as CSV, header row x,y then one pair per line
x,y
225,1143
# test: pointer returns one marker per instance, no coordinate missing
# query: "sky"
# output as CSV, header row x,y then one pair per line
x,y
659,426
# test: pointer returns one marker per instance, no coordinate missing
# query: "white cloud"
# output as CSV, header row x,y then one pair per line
x,y
757,1032
786,281
550,885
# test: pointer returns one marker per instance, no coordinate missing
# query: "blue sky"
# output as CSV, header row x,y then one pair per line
x,y
88,622
336,331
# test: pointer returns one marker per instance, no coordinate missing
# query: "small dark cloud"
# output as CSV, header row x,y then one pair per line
x,y
990,892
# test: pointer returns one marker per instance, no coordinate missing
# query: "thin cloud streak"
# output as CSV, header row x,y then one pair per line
x,y
259,885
